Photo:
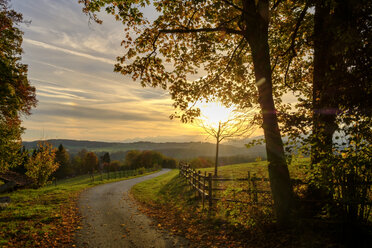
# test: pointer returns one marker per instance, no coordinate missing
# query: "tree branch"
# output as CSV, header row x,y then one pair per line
x,y
294,34
197,30
233,5
293,41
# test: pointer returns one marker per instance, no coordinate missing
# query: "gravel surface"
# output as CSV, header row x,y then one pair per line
x,y
111,219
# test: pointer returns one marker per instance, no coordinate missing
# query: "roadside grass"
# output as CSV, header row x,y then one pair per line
x,y
169,201
47,217
177,208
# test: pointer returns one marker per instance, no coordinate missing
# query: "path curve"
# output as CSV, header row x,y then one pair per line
x,y
111,219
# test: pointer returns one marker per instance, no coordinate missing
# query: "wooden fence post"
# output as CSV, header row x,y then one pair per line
x,y
255,196
194,184
210,190
199,183
249,186
203,195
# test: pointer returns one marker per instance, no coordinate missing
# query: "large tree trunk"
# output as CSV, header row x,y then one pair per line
x,y
324,112
257,36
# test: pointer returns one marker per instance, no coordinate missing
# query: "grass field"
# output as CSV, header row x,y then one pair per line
x,y
297,169
171,189
45,216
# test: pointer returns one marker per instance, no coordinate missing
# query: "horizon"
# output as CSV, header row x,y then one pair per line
x,y
147,139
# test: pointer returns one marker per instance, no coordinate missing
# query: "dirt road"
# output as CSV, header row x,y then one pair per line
x,y
111,219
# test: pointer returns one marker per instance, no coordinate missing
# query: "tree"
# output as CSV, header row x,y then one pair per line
x,y
42,164
169,163
229,40
114,165
106,160
63,159
237,124
17,95
336,104
78,162
132,159
342,93
342,71
91,162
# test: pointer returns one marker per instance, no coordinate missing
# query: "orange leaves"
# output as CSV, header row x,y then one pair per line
x,y
57,232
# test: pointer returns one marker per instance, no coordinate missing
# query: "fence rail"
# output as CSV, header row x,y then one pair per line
x,y
203,185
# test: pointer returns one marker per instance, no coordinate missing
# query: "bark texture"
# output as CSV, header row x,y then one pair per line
x,y
257,36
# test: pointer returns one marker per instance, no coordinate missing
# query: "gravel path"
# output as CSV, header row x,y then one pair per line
x,y
111,219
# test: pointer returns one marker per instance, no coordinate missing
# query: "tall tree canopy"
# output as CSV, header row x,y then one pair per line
x,y
17,95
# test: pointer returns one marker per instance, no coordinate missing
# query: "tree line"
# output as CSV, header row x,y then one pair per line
x,y
45,162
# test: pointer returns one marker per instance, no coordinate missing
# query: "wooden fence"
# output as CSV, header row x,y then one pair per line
x,y
207,188
204,185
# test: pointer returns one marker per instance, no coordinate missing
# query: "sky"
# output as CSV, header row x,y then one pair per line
x,y
71,65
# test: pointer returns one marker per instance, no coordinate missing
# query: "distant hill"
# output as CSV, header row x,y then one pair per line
x,y
180,150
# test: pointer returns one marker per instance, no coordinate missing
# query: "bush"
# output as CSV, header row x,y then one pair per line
x,y
148,159
42,164
141,170
201,162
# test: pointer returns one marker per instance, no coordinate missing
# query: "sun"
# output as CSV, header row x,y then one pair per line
x,y
212,113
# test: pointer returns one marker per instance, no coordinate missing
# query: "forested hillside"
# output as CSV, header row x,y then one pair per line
x,y
184,150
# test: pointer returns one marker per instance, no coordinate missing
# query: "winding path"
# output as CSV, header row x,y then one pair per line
x,y
111,219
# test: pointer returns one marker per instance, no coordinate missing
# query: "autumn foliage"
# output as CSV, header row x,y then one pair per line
x,y
42,164
17,95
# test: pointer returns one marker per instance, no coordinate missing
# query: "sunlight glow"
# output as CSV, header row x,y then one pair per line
x,y
212,113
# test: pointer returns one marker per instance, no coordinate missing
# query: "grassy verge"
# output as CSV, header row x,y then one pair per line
x,y
171,202
46,217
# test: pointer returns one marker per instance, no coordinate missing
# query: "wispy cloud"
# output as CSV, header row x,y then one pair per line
x,y
64,50
96,114
71,64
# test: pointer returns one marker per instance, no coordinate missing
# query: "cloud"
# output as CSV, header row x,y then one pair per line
x,y
76,111
71,66
80,54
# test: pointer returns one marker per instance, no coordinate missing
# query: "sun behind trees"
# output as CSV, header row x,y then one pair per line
x,y
224,123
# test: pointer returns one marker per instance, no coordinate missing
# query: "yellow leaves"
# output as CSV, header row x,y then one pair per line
x,y
42,164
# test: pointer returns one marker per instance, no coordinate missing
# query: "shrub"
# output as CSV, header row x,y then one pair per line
x,y
141,170
42,164
201,162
